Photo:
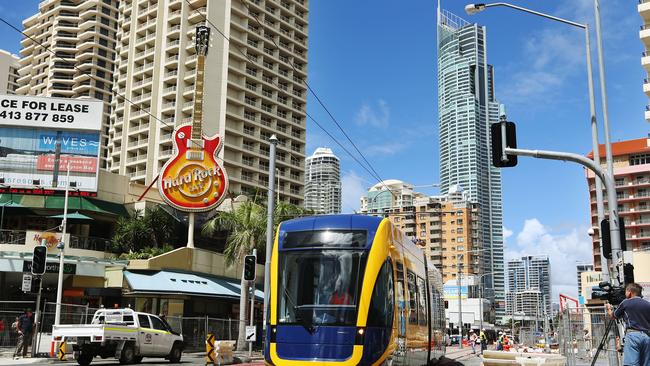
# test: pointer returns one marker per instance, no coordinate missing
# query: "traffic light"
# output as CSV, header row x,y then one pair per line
x,y
249,268
39,260
607,240
497,144
628,273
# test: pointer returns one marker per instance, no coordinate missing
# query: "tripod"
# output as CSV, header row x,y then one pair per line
x,y
611,323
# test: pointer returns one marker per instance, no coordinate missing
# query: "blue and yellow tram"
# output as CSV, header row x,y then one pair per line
x,y
352,290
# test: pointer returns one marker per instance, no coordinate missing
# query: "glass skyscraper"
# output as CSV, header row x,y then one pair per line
x,y
466,108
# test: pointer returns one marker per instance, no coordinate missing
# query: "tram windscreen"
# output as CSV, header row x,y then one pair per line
x,y
320,287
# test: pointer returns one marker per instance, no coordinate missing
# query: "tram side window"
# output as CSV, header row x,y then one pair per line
x,y
422,303
383,299
413,303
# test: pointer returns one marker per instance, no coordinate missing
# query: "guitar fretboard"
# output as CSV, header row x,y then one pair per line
x,y
198,98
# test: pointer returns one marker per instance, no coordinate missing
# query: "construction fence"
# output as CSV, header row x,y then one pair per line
x,y
193,329
580,331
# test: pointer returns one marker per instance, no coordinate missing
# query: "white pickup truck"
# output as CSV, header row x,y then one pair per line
x,y
123,334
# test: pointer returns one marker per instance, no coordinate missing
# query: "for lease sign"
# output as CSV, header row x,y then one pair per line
x,y
56,113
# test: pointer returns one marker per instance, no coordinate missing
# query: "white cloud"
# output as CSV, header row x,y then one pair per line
x,y
506,233
353,188
378,117
563,248
384,148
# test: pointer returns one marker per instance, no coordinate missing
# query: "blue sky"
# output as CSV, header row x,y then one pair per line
x,y
373,63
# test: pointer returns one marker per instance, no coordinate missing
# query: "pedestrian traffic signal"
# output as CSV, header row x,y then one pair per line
x,y
496,135
39,260
249,268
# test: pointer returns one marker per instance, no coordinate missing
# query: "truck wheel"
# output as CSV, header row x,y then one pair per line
x,y
175,354
84,359
128,354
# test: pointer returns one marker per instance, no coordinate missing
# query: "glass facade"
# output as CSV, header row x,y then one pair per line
x,y
466,108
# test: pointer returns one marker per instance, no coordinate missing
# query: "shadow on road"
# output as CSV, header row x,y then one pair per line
x,y
444,361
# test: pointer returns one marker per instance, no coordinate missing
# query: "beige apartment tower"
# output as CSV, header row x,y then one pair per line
x,y
254,87
81,34
9,65
447,227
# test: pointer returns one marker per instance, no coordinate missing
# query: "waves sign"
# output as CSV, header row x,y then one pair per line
x,y
41,137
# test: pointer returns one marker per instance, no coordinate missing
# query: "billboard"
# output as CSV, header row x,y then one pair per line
x,y
34,131
451,292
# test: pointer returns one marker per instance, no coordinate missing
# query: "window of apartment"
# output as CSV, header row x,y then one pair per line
x,y
639,159
460,239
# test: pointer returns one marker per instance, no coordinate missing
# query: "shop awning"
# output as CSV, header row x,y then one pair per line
x,y
87,204
171,282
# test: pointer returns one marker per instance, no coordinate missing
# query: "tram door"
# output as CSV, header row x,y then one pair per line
x,y
399,357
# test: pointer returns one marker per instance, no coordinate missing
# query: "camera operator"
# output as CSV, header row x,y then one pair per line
x,y
635,312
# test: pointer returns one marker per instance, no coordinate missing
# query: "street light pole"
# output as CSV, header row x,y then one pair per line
x,y
269,229
64,224
617,253
600,207
460,303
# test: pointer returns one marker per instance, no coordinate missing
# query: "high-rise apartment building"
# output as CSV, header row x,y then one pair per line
x,y
254,87
580,269
632,175
9,65
323,182
527,276
447,227
81,34
466,108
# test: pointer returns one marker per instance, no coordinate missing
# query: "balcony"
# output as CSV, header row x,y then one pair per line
x,y
644,10
644,34
647,113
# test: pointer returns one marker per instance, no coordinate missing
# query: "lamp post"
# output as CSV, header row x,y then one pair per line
x,y
64,224
472,9
273,140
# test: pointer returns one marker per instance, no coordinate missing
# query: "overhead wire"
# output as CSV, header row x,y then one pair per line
x,y
373,173
90,75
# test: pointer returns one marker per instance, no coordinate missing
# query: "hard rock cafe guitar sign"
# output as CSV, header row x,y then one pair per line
x,y
192,180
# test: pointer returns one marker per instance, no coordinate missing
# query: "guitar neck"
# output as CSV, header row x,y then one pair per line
x,y
198,98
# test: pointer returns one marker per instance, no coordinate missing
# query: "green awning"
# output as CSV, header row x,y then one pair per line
x,y
91,205
72,216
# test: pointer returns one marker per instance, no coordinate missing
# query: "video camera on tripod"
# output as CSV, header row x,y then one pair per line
x,y
612,294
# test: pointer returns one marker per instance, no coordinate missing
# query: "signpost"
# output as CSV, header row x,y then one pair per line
x,y
27,282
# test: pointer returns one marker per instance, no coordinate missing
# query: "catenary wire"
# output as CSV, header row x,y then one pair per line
x,y
47,48
373,173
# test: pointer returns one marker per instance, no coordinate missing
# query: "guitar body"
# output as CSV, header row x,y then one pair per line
x,y
193,180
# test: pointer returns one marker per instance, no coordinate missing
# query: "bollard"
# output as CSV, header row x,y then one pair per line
x,y
60,354
209,349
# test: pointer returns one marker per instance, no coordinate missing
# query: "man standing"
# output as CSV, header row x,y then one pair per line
x,y
635,312
483,338
472,341
24,329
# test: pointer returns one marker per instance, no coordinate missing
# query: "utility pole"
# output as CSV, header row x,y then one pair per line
x,y
269,230
251,322
64,223
460,301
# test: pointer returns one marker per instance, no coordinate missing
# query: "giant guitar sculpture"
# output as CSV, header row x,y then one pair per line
x,y
192,180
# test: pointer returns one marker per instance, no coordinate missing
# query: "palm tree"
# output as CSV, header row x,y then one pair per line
x,y
246,227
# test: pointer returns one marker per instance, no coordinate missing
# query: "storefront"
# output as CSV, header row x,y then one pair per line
x,y
180,293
